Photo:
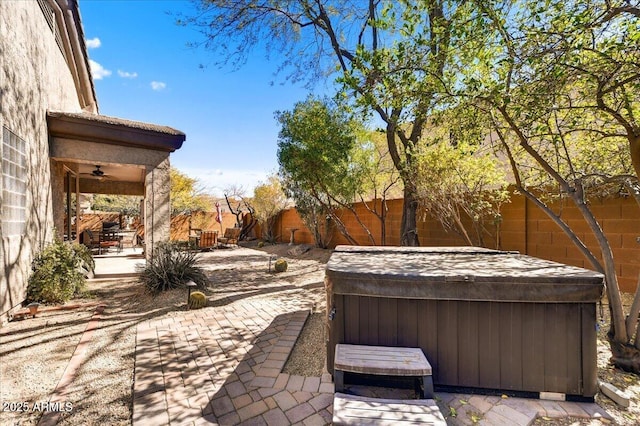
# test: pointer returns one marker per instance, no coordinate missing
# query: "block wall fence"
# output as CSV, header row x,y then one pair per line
x,y
523,228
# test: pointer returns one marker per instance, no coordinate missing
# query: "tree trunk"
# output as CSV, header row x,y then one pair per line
x,y
383,222
409,225
624,355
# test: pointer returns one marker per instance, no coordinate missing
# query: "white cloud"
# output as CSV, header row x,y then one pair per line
x,y
126,74
158,85
98,71
93,43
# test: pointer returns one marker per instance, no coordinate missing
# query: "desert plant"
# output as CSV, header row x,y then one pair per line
x,y
281,265
197,300
87,264
260,244
57,275
171,268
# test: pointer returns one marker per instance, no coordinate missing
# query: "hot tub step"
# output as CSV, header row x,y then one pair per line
x,y
382,361
359,410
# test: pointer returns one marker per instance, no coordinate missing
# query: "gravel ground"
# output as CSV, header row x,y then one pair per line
x,y
35,352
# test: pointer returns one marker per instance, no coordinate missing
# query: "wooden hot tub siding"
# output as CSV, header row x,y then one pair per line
x,y
531,347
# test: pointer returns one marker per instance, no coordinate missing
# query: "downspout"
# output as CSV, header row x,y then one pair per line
x,y
88,101
66,43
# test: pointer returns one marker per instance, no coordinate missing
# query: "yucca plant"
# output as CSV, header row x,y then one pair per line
x,y
171,268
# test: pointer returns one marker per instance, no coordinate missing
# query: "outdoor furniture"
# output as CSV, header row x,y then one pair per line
x,y
490,320
208,239
383,361
111,239
360,410
194,237
100,240
230,237
202,240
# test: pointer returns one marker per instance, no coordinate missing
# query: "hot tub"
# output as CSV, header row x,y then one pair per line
x,y
487,320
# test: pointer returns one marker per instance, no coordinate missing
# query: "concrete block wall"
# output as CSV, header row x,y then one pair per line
x,y
524,228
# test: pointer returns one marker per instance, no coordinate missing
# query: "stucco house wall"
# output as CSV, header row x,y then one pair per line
x,y
34,78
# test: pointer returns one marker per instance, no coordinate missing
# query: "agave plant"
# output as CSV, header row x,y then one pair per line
x,y
171,268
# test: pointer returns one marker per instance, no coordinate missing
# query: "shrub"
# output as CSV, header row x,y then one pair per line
x,y
260,244
281,265
171,268
57,273
87,264
197,300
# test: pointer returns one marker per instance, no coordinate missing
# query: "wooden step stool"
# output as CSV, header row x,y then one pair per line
x,y
383,361
358,410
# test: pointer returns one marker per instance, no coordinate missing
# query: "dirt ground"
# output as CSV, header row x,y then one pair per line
x,y
35,352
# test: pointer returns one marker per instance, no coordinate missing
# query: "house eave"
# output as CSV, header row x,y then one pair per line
x,y
113,131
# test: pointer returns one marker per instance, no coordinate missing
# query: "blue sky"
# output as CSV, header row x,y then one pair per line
x,y
143,70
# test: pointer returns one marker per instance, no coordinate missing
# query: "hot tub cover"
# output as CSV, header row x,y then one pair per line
x,y
458,273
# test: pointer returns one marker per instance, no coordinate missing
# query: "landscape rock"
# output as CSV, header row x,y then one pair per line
x,y
299,249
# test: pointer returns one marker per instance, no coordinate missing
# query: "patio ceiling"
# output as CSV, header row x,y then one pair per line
x,y
123,151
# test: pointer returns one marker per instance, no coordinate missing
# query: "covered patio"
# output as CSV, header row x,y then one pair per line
x,y
97,154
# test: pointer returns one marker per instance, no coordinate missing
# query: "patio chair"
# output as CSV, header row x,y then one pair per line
x,y
208,239
230,237
93,241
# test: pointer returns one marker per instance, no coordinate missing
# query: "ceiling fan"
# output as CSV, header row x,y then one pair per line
x,y
97,174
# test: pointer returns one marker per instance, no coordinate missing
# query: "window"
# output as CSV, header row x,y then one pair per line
x,y
50,17
14,184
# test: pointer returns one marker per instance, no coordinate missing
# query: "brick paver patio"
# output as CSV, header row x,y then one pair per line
x,y
223,365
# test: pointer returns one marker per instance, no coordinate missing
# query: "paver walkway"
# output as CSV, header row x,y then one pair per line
x,y
222,365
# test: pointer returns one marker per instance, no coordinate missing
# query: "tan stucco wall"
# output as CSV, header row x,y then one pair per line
x,y
34,77
157,209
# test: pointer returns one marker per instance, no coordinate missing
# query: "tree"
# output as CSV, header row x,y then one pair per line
x,y
316,147
389,56
268,201
125,204
314,214
238,203
379,179
460,182
186,193
563,97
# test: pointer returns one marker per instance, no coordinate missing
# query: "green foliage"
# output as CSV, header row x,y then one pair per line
x,y
459,181
314,214
170,268
561,84
260,244
197,300
186,193
281,265
559,81
125,204
315,145
57,274
390,58
379,177
321,159
83,253
268,201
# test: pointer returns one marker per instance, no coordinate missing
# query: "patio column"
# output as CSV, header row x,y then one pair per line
x,y
157,206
